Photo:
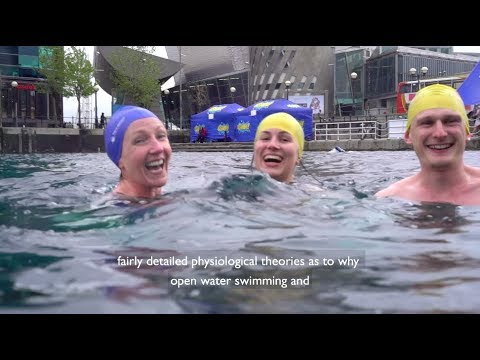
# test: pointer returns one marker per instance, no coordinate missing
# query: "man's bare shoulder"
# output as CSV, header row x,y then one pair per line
x,y
473,171
398,188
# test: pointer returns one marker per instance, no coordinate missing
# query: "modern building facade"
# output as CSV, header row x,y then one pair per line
x,y
212,75
349,92
439,49
379,70
21,102
246,75
308,69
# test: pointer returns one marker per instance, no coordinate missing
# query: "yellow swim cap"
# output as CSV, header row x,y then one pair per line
x,y
437,97
285,122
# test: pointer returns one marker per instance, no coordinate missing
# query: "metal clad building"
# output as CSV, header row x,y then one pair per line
x,y
380,69
308,68
384,71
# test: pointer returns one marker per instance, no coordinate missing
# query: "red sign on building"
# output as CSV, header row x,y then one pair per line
x,y
26,87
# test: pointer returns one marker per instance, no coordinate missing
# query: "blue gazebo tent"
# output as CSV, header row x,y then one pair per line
x,y
217,120
247,120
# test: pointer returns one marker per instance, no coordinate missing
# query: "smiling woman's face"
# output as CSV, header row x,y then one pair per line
x,y
276,153
145,157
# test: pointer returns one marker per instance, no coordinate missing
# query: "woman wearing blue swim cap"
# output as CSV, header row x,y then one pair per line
x,y
136,141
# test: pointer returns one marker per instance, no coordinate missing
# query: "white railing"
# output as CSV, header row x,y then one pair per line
x,y
396,128
352,130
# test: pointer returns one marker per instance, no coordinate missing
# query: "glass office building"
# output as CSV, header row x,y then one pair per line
x,y
379,70
386,70
22,103
201,95
254,73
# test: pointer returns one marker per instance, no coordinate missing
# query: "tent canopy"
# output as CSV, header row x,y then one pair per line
x,y
218,120
247,120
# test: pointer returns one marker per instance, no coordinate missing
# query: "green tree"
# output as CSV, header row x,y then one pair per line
x,y
78,76
136,74
52,69
67,72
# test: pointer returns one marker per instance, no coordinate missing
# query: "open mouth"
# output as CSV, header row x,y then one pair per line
x,y
272,159
439,146
154,165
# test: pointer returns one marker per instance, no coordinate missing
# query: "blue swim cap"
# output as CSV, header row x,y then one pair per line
x,y
118,125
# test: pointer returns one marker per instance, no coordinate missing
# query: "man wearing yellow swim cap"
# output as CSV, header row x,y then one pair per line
x,y
279,142
438,130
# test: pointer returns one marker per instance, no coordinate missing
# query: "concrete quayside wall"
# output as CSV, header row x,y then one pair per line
x,y
47,140
27,140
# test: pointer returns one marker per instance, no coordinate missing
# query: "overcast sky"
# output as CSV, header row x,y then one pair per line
x,y
104,101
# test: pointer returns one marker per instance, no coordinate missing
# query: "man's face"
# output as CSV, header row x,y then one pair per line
x,y
438,137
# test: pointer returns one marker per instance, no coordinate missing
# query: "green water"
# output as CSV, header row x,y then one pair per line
x,y
61,238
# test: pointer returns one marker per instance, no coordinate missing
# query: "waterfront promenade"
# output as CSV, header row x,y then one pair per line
x,y
48,140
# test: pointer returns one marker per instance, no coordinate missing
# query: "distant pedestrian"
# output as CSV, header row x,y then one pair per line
x,y
102,121
202,135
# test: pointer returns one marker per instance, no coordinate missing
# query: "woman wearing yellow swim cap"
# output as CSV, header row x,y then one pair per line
x,y
278,148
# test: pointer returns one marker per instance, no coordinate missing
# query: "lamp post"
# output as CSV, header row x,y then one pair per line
x,y
288,83
353,76
15,95
232,92
413,73
180,94
248,83
96,87
167,112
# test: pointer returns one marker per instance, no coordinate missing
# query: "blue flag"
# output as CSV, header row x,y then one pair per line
x,y
470,89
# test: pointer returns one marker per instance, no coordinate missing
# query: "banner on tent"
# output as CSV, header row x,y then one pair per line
x,y
221,128
218,122
196,128
247,121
